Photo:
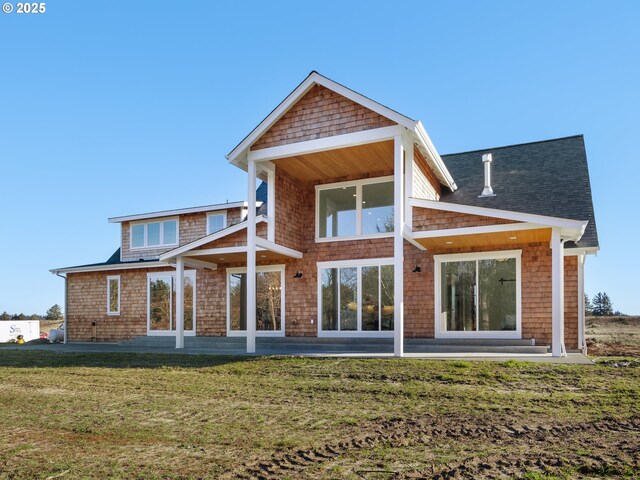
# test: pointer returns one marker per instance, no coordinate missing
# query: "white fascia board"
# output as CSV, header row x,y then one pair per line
x,y
180,211
106,268
581,251
274,247
575,226
206,239
441,168
237,155
326,143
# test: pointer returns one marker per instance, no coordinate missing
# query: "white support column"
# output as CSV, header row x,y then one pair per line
x,y
251,259
179,302
271,204
581,320
408,183
557,294
398,247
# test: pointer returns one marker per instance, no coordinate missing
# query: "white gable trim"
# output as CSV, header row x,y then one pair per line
x,y
314,79
207,238
180,211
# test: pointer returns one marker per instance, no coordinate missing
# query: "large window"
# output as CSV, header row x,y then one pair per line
x,y
216,222
356,297
354,209
113,295
478,294
269,301
162,302
154,234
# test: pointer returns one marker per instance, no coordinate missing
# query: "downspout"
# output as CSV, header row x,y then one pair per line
x,y
65,306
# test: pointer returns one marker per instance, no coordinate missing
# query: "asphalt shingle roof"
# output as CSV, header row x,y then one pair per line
x,y
549,177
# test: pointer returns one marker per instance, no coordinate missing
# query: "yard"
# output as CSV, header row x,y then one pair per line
x,y
182,416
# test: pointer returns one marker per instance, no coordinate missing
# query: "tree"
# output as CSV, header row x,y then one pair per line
x,y
602,304
588,307
54,313
5,316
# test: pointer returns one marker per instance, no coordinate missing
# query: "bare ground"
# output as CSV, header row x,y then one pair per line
x,y
613,336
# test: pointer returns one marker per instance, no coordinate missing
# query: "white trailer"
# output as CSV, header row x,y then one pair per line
x,y
10,329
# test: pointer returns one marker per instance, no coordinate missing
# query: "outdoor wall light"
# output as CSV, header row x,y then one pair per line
x,y
298,274
416,270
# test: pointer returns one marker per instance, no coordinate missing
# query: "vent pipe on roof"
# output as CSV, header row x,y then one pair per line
x,y
487,158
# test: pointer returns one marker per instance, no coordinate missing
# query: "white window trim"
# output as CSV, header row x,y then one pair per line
x,y
222,214
171,333
259,333
353,183
457,257
365,262
109,279
161,221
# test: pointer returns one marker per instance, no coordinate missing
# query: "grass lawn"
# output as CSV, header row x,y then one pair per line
x,y
182,416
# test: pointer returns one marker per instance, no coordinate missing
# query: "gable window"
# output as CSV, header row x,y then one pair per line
x,y
113,295
216,222
154,234
356,297
478,294
362,208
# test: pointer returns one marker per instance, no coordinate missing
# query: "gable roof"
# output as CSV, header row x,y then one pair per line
x,y
238,155
549,177
179,211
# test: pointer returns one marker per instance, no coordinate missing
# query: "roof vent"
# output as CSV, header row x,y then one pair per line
x,y
487,158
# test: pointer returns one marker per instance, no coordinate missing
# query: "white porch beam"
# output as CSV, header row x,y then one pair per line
x,y
271,204
582,344
251,259
179,302
328,143
451,232
408,181
408,236
274,247
557,294
398,246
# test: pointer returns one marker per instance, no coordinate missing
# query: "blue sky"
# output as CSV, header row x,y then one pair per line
x,y
113,108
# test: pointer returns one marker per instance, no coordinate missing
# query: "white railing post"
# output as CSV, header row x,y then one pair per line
x,y
398,247
251,259
179,302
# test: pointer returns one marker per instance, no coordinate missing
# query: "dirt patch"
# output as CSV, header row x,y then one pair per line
x,y
613,336
609,446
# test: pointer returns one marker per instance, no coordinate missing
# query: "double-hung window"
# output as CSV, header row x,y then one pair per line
x,y
356,297
347,210
154,234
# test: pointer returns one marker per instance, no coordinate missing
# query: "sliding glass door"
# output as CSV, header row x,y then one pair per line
x,y
161,305
478,295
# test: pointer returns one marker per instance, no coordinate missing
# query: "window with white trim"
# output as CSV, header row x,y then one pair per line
x,y
154,234
478,294
269,300
113,295
356,297
361,208
216,222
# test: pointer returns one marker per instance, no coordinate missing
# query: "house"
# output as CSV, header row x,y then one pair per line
x,y
360,228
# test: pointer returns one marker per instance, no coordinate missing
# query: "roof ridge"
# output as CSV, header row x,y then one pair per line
x,y
514,145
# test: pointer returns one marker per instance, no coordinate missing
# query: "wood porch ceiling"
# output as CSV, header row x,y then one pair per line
x,y
496,239
229,258
340,162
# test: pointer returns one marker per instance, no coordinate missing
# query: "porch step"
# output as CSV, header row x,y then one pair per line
x,y
314,345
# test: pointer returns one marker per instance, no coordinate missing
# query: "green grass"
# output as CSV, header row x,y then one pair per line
x,y
184,416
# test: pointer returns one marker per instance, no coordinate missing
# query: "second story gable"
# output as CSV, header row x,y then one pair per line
x,y
146,236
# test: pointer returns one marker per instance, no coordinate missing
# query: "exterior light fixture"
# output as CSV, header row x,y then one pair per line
x,y
416,269
298,274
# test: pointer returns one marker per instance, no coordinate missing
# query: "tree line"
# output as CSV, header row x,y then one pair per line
x,y
600,306
53,313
